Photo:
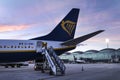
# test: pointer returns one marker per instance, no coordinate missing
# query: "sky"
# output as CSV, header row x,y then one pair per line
x,y
25,19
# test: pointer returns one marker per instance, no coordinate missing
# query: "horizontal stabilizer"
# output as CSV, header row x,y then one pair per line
x,y
78,40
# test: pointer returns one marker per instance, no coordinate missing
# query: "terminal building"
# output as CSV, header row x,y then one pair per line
x,y
105,55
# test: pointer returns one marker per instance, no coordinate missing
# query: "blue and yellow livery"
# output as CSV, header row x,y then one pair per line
x,y
61,39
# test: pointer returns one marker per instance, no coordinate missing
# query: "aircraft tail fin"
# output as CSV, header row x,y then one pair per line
x,y
65,30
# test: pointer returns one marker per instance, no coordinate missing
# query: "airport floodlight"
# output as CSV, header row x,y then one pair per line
x,y
107,42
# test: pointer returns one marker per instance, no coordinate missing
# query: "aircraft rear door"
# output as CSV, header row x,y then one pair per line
x,y
39,46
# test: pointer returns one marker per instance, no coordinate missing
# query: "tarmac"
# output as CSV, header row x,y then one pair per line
x,y
99,71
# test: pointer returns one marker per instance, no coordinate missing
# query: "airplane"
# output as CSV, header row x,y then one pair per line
x,y
61,38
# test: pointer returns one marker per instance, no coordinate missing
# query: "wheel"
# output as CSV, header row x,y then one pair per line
x,y
6,66
12,66
18,66
51,72
37,68
42,70
62,73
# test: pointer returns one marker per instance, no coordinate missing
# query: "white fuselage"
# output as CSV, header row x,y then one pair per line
x,y
25,50
24,45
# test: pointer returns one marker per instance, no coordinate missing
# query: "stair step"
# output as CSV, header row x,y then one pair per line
x,y
54,62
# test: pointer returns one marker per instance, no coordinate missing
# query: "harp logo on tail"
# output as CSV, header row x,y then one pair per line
x,y
68,26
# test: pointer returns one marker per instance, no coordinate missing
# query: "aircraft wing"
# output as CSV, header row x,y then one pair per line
x,y
78,40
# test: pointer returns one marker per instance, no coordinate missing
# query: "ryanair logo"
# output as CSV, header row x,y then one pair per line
x,y
68,26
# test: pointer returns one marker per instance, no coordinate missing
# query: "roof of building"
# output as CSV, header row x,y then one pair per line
x,y
67,53
79,52
91,51
118,49
107,50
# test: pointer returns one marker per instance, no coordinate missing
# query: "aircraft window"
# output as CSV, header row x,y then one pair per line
x,y
28,46
11,46
4,46
18,46
25,47
0,46
8,47
21,46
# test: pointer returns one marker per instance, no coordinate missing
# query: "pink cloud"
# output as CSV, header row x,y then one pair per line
x,y
4,28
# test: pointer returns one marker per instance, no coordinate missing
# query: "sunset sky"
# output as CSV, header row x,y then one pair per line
x,y
25,19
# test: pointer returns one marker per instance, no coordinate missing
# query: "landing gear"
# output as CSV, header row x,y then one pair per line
x,y
18,66
6,66
12,66
51,72
39,65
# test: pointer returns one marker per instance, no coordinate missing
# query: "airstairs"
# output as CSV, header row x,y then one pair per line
x,y
52,62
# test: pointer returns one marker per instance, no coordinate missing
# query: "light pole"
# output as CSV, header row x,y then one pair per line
x,y
107,42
